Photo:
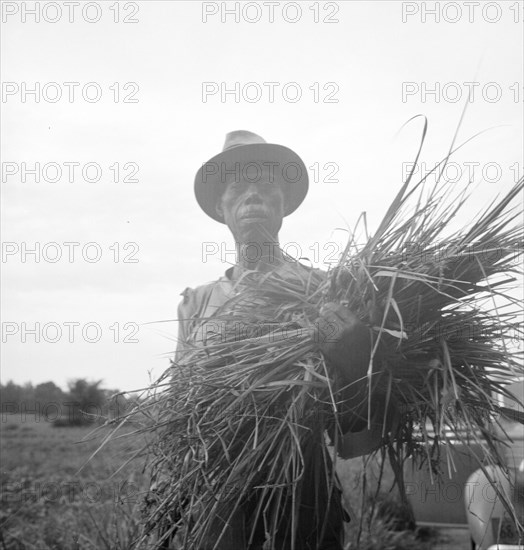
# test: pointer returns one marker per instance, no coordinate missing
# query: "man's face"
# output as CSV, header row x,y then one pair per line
x,y
252,210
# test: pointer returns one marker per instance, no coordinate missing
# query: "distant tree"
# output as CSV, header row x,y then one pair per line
x,y
49,392
84,403
11,392
14,397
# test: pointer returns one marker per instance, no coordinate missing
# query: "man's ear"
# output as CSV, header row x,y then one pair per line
x,y
219,209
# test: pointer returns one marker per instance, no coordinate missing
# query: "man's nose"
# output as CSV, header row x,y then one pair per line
x,y
253,195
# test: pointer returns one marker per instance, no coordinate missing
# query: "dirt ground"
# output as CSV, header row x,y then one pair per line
x,y
456,538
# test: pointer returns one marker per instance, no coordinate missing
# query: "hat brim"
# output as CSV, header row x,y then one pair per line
x,y
287,168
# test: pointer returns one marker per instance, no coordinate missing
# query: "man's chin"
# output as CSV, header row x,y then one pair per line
x,y
255,231
254,224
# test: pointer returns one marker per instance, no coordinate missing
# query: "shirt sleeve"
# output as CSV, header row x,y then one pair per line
x,y
185,313
190,312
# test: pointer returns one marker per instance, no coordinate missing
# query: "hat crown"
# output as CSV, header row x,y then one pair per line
x,y
242,137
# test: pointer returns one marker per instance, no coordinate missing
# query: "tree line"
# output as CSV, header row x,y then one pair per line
x,y
85,402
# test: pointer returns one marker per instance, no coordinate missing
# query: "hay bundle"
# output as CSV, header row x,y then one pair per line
x,y
248,413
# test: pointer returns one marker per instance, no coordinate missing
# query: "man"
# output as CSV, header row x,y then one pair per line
x,y
251,186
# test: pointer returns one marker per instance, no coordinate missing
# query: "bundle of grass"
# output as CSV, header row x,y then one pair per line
x,y
239,420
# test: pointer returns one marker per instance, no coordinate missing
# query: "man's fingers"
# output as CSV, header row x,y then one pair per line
x,y
335,311
326,330
346,322
326,308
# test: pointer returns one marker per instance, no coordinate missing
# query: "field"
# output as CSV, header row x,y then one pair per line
x,y
49,501
46,503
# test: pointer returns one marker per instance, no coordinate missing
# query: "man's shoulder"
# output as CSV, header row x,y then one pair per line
x,y
193,298
193,293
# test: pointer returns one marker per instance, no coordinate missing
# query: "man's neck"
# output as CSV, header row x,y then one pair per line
x,y
257,256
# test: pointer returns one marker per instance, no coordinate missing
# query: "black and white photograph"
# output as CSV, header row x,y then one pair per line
x,y
261,275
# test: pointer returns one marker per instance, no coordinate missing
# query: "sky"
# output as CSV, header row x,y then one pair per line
x,y
97,176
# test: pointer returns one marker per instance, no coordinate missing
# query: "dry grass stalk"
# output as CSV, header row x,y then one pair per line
x,y
246,414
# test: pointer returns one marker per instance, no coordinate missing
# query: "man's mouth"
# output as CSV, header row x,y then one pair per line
x,y
254,215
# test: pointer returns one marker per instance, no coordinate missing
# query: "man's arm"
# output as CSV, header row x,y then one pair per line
x,y
346,344
185,314
190,314
181,346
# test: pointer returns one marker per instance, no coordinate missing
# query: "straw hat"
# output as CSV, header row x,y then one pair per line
x,y
248,157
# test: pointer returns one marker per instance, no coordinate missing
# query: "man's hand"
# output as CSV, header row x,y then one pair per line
x,y
344,341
